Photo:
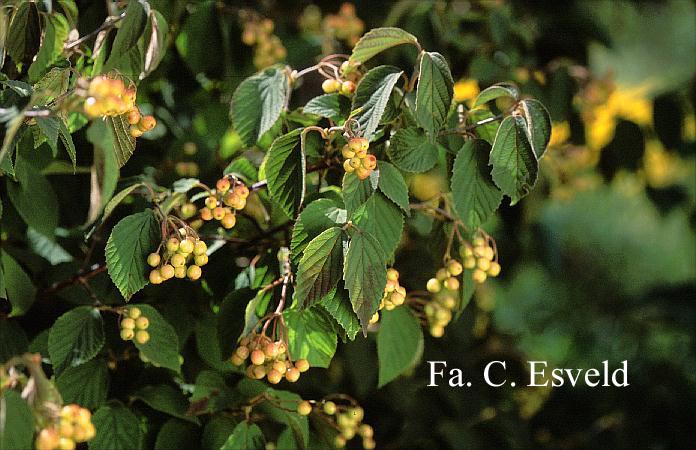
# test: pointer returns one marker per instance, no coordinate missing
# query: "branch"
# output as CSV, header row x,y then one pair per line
x,y
109,22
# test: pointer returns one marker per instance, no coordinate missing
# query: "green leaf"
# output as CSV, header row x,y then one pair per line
x,y
18,288
208,343
434,92
124,143
125,52
117,429
331,106
104,169
154,42
310,336
377,40
118,198
538,125
246,436
475,196
316,217
51,85
411,150
46,248
487,131
399,343
320,268
392,184
337,304
24,33
55,34
513,160
496,91
257,104
13,340
286,171
176,433
230,319
75,338
32,194
372,96
86,384
163,347
131,240
167,399
365,275
468,286
357,191
16,422
381,218
211,393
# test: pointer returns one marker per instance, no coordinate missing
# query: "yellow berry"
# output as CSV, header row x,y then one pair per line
x,y
330,408
494,269
363,173
186,247
156,277
128,323
274,376
470,262
194,272
167,271
147,123
180,272
292,374
219,212
229,221
178,260
222,185
366,431
201,260
304,408
433,285
206,214
258,357
135,131
211,202
483,264
66,444
134,116
339,441
142,322
134,312
47,439
259,372
173,244
200,248
153,259
302,365
142,336
127,334
489,253
374,318
454,267
347,88
369,444
452,284
479,276
347,167
392,274
437,331
480,251
188,210
347,152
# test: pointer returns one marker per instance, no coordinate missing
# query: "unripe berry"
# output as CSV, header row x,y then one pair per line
x,y
186,246
356,414
339,441
348,433
397,298
134,116
173,245
135,131
478,242
330,408
274,376
218,213
188,210
128,323
480,251
392,274
134,312
347,88
470,262
448,302
329,86
347,166
142,322
180,272
363,173
200,247
127,334
302,365
494,269
433,285
229,221
201,260
442,274
443,315
178,260
366,431
454,267
242,352
153,259
452,284
142,336
483,264
347,152
489,253
355,162
155,277
258,357
236,360
222,185
167,271
369,444
147,123
304,408
437,331
374,318
194,272
465,251
479,276
211,202
292,375
206,214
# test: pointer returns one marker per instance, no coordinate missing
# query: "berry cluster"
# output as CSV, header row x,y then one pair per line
x,y
481,258
331,85
446,277
234,197
347,419
175,262
268,359
357,159
268,49
345,25
140,124
394,294
74,425
438,312
108,97
134,326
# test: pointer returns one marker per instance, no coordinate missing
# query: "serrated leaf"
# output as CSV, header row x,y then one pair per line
x,y
124,143
131,240
167,399
538,125
184,185
118,198
365,275
475,196
468,287
117,429
55,34
51,85
176,433
24,33
310,336
399,343
257,104
75,338
392,184
513,160
496,91
337,304
381,218
246,435
163,347
18,287
86,384
377,40
487,131
316,217
331,106
16,422
372,97
243,167
434,92
125,53
411,150
216,432
357,191
320,267
286,171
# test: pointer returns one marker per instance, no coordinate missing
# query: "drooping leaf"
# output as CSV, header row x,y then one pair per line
x,y
167,399
126,54
16,422
434,92
316,217
117,429
24,33
538,125
320,267
392,184
372,96
18,287
286,171
357,191
513,160
131,240
381,218
124,143
76,337
475,196
365,275
331,106
257,104
399,343
163,347
208,343
86,384
377,40
55,34
411,150
337,303
310,336
496,91
155,42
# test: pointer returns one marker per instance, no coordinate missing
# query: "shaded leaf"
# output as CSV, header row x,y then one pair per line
x,y
320,268
411,150
257,104
538,125
286,171
377,40
365,275
434,92
372,96
18,287
337,304
399,343
513,160
310,336
392,184
496,91
163,347
117,429
76,337
167,399
86,384
381,218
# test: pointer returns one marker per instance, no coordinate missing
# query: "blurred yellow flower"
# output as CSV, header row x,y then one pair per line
x,y
466,90
662,168
560,133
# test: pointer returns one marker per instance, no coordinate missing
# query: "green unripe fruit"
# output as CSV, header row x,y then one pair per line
x,y
304,408
153,259
142,322
134,312
330,408
433,285
172,245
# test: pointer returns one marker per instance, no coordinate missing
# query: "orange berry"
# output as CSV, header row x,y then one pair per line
x,y
135,131
302,365
142,336
218,213
211,202
452,284
167,271
363,173
274,376
479,276
258,357
156,277
229,221
147,123
222,185
134,116
347,88
292,374
241,190
47,439
206,214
